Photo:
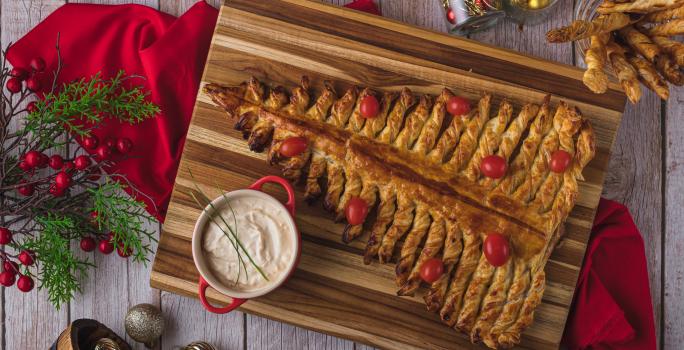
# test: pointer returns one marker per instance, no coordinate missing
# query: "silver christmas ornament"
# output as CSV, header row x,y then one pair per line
x,y
145,324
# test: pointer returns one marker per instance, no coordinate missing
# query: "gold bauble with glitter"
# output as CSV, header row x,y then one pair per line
x,y
145,324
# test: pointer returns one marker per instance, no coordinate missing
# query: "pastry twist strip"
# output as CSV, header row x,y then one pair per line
x,y
402,222
473,296
386,211
459,282
469,140
421,223
453,246
490,140
493,303
396,117
428,136
433,245
414,123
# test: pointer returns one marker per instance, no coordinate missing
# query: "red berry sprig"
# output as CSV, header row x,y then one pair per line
x,y
25,283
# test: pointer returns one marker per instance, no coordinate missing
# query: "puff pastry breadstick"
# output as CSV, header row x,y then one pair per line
x,y
414,123
669,69
432,247
402,222
640,42
650,77
513,304
493,303
459,282
421,223
453,246
386,211
369,195
342,108
664,15
511,336
469,140
674,48
428,136
320,108
490,140
449,139
372,127
352,188
624,72
263,129
356,120
584,29
674,27
595,77
396,117
473,296
637,6
299,100
335,186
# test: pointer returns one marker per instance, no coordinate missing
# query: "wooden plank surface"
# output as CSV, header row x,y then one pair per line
x,y
326,43
632,166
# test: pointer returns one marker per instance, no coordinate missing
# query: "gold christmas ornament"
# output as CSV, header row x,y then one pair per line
x,y
145,324
106,344
199,345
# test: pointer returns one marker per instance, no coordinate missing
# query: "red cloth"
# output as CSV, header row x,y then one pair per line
x,y
612,306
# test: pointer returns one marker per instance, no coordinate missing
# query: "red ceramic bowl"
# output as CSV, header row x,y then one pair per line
x,y
207,277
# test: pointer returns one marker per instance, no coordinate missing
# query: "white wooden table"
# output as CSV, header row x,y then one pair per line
x,y
646,173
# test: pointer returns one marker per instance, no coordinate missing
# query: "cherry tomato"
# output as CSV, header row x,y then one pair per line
x,y
431,270
496,249
457,105
369,107
493,166
560,160
356,211
293,146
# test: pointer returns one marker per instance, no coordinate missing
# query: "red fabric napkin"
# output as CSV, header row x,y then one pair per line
x,y
612,306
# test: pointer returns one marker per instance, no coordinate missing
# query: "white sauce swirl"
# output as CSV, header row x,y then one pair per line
x,y
262,227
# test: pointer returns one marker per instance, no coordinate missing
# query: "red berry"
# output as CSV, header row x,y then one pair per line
x,y
24,166
451,17
26,257
105,246
81,162
369,107
13,85
33,158
19,73
7,278
457,105
124,145
68,166
11,267
44,159
5,235
496,249
431,270
110,143
32,107
88,244
63,180
26,189
90,142
56,191
356,211
560,160
493,166
33,83
25,283
56,162
293,146
37,64
103,153
124,253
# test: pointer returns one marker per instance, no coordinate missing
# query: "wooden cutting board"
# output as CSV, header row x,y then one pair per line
x,y
332,290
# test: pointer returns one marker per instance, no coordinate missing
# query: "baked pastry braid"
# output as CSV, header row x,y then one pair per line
x,y
672,47
493,303
396,117
342,108
624,71
407,257
637,6
414,124
356,120
428,136
640,42
489,140
649,76
372,127
595,77
432,247
449,140
469,140
421,166
567,127
369,195
665,15
459,282
540,166
453,246
402,221
473,296
511,138
386,211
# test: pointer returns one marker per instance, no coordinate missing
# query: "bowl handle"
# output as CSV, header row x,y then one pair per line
x,y
234,304
290,205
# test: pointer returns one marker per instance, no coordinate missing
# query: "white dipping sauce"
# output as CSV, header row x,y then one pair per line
x,y
263,228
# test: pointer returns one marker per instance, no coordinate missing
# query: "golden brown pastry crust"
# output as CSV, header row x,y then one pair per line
x,y
581,29
665,15
421,166
637,6
595,77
